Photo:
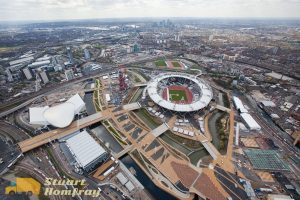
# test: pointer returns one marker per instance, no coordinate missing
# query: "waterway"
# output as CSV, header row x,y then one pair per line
x,y
156,192
147,118
88,99
213,129
137,95
107,138
194,155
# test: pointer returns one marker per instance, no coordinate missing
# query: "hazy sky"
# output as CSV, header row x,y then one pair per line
x,y
83,9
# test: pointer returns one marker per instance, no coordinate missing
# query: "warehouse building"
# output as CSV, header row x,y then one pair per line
x,y
239,105
250,122
86,151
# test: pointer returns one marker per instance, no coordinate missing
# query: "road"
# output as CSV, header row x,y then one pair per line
x,y
13,131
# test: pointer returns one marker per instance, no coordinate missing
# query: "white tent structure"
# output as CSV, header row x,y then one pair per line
x,y
59,116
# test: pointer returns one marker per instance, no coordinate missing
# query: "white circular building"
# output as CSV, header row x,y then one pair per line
x,y
179,92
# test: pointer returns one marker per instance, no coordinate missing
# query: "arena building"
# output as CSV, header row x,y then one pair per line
x,y
179,92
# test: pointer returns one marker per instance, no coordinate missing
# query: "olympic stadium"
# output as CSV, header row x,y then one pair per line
x,y
179,92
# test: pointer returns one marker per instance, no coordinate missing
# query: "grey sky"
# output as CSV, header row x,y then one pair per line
x,y
81,9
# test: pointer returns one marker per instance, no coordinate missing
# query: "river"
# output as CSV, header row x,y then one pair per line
x,y
156,192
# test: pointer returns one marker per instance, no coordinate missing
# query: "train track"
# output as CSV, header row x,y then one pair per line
x,y
12,131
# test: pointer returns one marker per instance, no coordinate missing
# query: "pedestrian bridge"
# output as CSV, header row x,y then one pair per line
x,y
132,106
223,108
140,84
160,130
124,151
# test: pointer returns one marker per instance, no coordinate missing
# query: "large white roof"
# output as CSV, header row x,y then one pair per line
x,y
201,103
60,115
251,123
36,115
84,148
78,103
239,105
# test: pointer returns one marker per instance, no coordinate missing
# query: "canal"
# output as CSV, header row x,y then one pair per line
x,y
155,192
107,138
89,104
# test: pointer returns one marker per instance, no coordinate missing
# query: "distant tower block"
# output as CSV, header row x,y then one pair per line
x,y
122,78
70,55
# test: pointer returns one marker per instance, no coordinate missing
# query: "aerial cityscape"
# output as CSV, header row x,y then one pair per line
x,y
122,105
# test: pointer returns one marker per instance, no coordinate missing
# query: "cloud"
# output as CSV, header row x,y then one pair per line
x,y
76,9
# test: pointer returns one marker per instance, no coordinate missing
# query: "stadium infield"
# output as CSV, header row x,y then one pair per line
x,y
178,94
160,63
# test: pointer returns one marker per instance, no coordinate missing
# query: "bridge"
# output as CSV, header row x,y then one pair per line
x,y
124,151
140,84
44,138
160,130
223,108
211,149
89,90
132,106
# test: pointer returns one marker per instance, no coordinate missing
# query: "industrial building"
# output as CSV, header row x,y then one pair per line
x,y
125,182
28,73
44,77
250,122
86,151
246,117
239,105
69,74
39,63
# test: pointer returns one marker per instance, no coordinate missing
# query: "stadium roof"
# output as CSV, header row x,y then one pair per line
x,y
84,148
202,102
60,115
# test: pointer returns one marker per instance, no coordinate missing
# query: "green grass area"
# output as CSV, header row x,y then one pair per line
x,y
176,64
177,95
160,63
147,118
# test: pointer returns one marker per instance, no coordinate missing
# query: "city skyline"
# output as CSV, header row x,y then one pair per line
x,y
17,10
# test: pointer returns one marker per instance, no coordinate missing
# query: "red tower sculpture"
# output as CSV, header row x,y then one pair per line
x,y
122,78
